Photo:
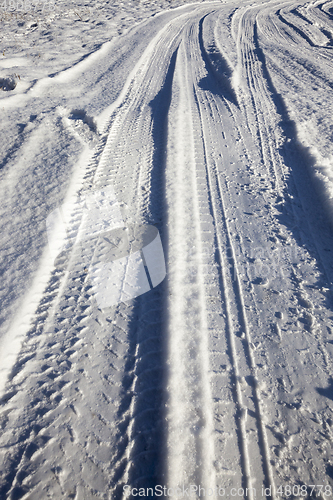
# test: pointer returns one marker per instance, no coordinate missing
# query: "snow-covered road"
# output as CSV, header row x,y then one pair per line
x,y
213,123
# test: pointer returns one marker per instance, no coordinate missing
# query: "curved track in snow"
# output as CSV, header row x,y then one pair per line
x,y
220,376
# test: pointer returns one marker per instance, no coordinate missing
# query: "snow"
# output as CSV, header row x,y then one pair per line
x,y
166,177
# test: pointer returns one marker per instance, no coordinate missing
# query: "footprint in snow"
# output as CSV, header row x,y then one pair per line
x,y
83,125
260,281
327,392
7,83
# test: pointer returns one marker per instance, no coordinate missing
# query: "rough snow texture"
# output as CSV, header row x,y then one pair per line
x,y
212,122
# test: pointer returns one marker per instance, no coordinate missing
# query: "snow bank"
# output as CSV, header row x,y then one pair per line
x,y
321,168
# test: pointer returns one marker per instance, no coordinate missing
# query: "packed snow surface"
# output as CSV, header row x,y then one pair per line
x,y
166,186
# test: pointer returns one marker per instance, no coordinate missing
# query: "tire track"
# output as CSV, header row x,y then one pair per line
x,y
251,61
127,356
294,185
252,442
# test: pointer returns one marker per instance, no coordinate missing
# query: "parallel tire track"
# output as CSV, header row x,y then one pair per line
x,y
128,340
252,440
